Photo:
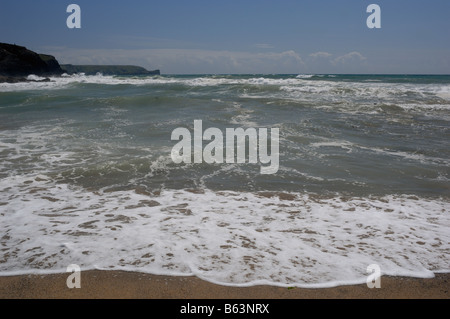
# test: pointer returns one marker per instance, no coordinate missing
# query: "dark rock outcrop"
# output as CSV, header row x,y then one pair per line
x,y
18,79
12,79
18,61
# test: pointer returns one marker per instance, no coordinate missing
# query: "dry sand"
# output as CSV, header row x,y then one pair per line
x,y
98,284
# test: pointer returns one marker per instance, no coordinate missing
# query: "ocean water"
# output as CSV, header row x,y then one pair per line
x,y
87,178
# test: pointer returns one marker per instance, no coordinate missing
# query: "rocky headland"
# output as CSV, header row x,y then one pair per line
x,y
18,62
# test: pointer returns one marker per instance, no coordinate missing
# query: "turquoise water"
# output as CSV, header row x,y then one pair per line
x,y
87,177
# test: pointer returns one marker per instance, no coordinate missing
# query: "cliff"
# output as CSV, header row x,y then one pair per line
x,y
108,69
18,61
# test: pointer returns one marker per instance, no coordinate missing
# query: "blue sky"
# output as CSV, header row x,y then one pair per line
x,y
246,36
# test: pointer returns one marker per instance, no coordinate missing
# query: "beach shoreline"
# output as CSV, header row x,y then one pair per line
x,y
99,284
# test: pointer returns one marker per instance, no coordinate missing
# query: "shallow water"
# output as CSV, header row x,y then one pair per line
x,y
87,177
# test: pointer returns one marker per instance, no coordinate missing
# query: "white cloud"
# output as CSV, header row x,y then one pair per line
x,y
191,61
320,54
349,57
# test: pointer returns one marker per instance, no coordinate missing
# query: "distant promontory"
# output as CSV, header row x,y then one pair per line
x,y
17,62
108,69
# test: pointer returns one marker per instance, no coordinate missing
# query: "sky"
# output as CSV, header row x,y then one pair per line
x,y
238,36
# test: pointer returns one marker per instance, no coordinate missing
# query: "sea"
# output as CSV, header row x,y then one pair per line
x,y
87,178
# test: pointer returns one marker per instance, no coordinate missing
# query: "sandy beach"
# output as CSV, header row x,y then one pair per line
x,y
97,284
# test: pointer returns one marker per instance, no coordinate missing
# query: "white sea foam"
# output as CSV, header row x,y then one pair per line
x,y
341,144
301,87
349,147
33,77
443,91
287,239
65,80
425,107
239,239
304,76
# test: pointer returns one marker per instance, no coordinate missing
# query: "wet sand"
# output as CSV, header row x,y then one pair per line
x,y
96,284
